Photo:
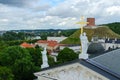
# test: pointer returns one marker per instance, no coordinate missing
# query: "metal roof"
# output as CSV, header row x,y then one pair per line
x,y
110,61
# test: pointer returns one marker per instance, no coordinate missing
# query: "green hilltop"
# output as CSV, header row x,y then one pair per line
x,y
101,31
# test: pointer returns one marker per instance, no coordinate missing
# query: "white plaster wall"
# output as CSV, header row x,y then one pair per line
x,y
58,39
104,45
101,40
41,44
107,45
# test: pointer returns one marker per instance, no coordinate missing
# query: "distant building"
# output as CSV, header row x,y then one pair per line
x,y
33,37
51,45
112,44
58,39
107,43
103,67
27,45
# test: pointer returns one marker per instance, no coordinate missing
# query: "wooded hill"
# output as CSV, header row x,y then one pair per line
x,y
114,27
101,32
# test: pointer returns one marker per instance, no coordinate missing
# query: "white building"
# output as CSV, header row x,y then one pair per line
x,y
33,38
51,45
108,43
58,39
112,44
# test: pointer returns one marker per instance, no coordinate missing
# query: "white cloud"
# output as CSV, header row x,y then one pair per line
x,y
62,24
89,8
4,20
113,10
63,15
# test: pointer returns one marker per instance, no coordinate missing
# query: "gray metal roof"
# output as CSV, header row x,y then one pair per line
x,y
110,61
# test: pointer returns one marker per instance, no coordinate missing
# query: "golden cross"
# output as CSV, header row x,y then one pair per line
x,y
82,23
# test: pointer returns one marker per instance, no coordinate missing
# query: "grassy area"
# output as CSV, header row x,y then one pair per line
x,y
101,32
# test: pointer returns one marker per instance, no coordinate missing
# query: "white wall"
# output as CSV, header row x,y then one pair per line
x,y
58,39
41,44
107,45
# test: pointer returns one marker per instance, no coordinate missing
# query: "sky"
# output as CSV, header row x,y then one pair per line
x,y
55,14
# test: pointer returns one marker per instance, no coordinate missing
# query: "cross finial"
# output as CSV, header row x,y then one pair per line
x,y
82,23
82,18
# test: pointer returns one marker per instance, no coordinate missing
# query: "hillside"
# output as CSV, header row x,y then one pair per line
x,y
100,32
114,27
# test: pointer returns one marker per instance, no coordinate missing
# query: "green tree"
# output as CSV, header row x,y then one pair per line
x,y
9,36
3,45
36,55
51,61
66,55
19,61
115,27
6,73
11,54
23,69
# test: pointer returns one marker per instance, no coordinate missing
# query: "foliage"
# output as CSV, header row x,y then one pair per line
x,y
115,27
3,45
23,69
51,61
6,73
66,55
11,54
8,36
36,55
19,61
18,42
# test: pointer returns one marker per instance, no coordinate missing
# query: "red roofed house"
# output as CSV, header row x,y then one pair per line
x,y
51,45
27,45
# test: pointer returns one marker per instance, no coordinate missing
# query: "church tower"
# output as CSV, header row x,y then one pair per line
x,y
91,22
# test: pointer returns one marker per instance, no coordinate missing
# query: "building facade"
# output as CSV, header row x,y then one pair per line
x,y
58,39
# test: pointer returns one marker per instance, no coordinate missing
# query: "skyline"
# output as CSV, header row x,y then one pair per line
x,y
55,14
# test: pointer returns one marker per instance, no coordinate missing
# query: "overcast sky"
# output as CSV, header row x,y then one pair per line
x,y
55,14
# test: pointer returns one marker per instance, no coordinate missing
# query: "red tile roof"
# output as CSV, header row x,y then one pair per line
x,y
26,45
